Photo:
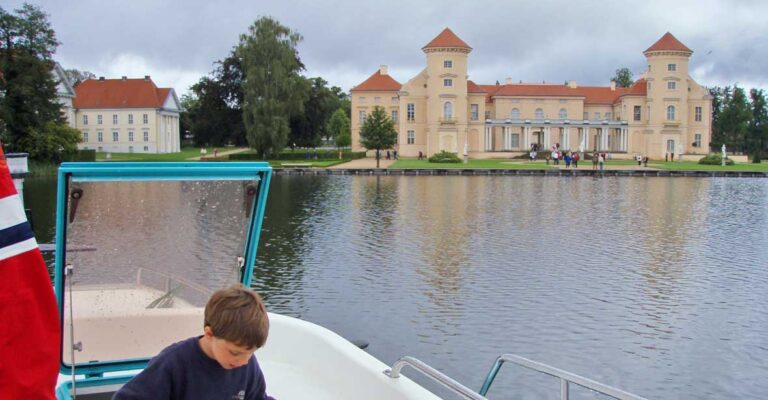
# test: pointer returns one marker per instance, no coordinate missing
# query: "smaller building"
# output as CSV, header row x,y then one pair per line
x,y
65,94
127,116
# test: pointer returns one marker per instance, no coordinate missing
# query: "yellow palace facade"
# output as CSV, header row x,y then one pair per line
x,y
664,112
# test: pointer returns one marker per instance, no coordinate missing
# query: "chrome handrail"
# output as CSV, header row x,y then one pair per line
x,y
435,375
565,378
172,278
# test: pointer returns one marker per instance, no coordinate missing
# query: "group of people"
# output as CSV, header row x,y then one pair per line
x,y
567,157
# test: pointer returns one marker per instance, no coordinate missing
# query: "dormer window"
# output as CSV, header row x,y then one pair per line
x,y
671,67
447,64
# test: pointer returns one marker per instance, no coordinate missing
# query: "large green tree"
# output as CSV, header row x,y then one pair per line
x,y
28,101
719,97
733,120
309,127
758,125
378,132
623,77
273,90
339,128
213,112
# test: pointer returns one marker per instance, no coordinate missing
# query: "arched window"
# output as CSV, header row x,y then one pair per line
x,y
670,113
448,110
515,113
563,113
539,113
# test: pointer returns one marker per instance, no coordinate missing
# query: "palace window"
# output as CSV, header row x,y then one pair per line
x,y
671,85
448,110
586,115
85,137
114,119
411,137
394,100
146,148
130,136
474,112
608,115
99,121
597,115
637,113
85,120
115,136
376,100
100,137
671,67
145,118
146,136
394,116
697,114
515,139
447,82
447,64
670,113
130,119
411,112
539,113
361,117
515,114
130,149
563,114
362,99
487,115
697,140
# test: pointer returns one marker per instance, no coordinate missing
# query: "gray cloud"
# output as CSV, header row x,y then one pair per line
x,y
345,41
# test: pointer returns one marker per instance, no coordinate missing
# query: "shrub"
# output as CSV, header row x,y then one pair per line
x,y
445,157
715,159
83,155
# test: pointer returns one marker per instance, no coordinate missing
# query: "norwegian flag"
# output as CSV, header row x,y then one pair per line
x,y
29,341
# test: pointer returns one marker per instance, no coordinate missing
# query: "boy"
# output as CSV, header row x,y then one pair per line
x,y
218,365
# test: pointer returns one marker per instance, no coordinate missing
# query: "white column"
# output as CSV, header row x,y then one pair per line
x,y
526,139
547,140
566,137
485,139
625,134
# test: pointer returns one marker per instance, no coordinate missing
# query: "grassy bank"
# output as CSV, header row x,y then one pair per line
x,y
411,163
695,166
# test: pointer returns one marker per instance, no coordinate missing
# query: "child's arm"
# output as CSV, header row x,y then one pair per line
x,y
154,382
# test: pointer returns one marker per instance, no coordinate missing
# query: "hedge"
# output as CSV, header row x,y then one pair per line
x,y
83,155
715,159
445,157
313,155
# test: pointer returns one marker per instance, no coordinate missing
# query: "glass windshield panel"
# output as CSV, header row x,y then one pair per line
x,y
146,255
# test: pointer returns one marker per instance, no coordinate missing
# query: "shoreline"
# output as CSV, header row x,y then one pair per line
x,y
518,172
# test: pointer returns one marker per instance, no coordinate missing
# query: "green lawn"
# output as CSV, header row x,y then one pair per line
x,y
410,163
694,166
185,154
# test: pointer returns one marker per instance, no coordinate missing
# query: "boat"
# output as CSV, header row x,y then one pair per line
x,y
125,294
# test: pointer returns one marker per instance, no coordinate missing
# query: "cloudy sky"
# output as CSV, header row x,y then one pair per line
x,y
177,42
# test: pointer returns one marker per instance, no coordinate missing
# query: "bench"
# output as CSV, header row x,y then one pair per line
x,y
296,165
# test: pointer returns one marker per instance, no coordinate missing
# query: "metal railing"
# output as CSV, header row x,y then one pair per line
x,y
566,378
435,375
170,279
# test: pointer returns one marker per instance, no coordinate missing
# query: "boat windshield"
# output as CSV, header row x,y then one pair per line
x,y
145,256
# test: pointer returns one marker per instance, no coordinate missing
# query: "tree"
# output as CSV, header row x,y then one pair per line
x,y
213,113
719,97
378,132
623,77
339,128
758,125
273,90
733,121
309,127
76,76
28,100
55,142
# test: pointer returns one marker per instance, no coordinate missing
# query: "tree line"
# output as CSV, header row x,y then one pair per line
x,y
739,121
257,96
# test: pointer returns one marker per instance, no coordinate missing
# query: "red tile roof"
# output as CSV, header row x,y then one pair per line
x,y
446,38
668,42
119,93
473,88
377,82
590,94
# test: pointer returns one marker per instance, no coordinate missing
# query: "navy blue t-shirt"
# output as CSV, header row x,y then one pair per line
x,y
182,371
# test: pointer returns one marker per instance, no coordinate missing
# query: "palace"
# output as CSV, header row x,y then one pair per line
x,y
663,112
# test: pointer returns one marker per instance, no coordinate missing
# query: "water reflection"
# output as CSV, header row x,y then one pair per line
x,y
654,285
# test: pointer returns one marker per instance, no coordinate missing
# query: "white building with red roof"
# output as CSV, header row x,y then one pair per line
x,y
127,116
664,112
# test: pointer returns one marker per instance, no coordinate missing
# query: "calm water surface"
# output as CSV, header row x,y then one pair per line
x,y
658,286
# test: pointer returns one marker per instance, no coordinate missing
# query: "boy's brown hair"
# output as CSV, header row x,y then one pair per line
x,y
237,314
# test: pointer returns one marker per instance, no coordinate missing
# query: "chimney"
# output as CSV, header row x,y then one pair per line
x,y
125,78
509,81
146,77
613,85
572,84
101,78
383,70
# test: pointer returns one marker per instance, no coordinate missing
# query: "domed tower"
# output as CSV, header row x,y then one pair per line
x,y
447,108
667,105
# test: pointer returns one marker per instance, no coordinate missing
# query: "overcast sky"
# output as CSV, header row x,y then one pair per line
x,y
177,42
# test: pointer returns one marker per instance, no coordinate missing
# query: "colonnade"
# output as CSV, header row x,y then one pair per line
x,y
519,137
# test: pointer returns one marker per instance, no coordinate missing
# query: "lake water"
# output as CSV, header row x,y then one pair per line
x,y
657,286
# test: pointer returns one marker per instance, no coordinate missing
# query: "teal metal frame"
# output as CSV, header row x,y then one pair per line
x,y
155,171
